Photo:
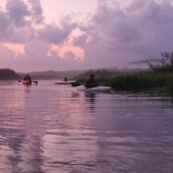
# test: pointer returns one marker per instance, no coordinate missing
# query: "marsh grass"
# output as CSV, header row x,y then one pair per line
x,y
141,82
147,81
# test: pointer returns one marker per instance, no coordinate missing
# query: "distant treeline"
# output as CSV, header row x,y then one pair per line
x,y
8,74
104,76
51,74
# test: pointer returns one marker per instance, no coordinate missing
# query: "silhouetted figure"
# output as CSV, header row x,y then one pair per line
x,y
27,77
27,80
90,83
65,79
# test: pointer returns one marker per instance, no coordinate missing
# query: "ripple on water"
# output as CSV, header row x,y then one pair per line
x,y
51,128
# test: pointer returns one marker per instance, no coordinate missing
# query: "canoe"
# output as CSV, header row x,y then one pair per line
x,y
27,82
95,89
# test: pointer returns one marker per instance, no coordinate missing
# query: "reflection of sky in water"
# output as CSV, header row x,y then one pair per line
x,y
50,128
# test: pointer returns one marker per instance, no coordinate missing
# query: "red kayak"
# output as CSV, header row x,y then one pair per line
x,y
27,82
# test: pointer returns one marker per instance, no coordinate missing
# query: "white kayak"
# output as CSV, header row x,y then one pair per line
x,y
97,89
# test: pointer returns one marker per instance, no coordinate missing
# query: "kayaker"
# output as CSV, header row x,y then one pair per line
x,y
27,77
65,79
90,83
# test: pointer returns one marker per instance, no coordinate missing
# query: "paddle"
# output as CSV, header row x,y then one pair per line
x,y
36,82
75,84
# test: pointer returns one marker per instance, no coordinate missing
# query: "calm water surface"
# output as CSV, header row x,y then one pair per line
x,y
48,128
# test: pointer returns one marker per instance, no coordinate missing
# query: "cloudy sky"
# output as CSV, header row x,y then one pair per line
x,y
82,34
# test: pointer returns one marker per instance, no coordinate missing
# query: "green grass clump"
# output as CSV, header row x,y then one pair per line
x,y
140,81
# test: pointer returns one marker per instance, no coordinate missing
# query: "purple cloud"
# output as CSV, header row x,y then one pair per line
x,y
55,34
37,11
18,11
137,32
5,28
81,40
113,36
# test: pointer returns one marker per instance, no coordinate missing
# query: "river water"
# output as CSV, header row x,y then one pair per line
x,y
48,128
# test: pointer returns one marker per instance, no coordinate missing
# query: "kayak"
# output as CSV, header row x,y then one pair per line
x,y
97,89
27,82
64,83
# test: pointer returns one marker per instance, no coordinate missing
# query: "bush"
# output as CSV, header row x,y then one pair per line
x,y
165,65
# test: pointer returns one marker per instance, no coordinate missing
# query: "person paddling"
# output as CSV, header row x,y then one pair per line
x,y
90,83
27,77
65,79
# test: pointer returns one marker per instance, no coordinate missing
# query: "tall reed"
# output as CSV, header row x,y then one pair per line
x,y
141,81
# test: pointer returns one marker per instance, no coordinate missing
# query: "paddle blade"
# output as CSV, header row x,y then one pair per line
x,y
36,82
75,84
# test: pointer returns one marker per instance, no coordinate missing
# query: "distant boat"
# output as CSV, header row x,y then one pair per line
x,y
65,82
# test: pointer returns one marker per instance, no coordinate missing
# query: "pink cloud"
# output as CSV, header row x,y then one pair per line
x,y
111,36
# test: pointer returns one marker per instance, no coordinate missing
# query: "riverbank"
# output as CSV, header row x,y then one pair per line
x,y
142,81
139,82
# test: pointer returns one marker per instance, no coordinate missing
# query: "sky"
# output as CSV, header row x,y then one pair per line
x,y
38,35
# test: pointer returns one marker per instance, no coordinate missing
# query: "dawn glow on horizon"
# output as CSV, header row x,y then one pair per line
x,y
82,34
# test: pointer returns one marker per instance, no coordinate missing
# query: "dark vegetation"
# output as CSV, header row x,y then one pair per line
x,y
145,81
158,78
165,65
8,74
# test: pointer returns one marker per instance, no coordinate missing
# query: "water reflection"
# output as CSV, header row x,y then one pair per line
x,y
50,128
75,95
20,132
90,99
